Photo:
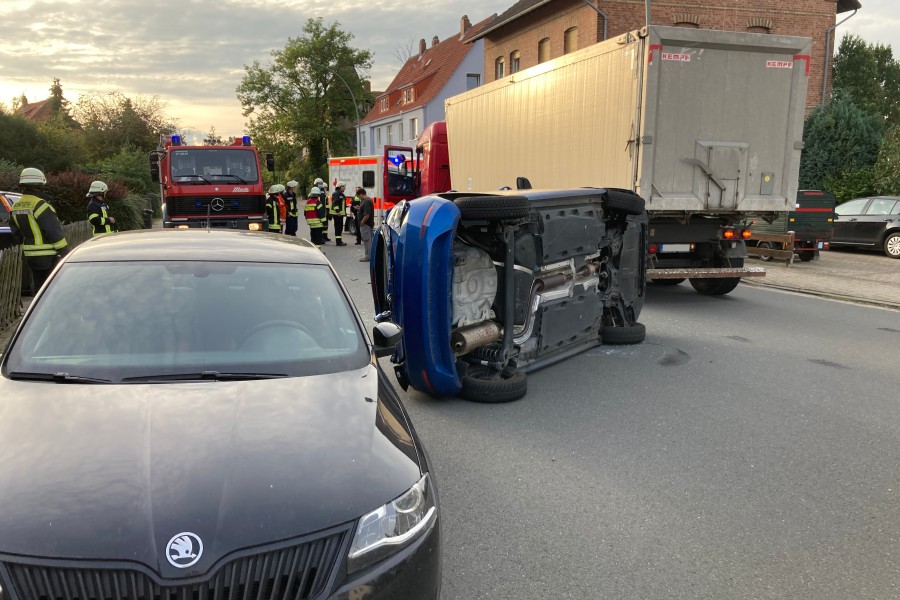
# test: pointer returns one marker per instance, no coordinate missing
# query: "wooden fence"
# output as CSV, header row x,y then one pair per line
x,y
773,245
13,272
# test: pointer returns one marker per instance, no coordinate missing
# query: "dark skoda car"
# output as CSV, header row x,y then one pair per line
x,y
191,414
869,222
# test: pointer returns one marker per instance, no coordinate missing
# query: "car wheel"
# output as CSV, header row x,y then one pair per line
x,y
666,282
492,208
624,201
768,245
628,334
892,245
482,384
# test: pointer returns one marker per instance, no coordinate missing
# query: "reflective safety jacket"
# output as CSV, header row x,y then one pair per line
x,y
98,215
273,212
34,224
291,199
314,212
282,207
338,204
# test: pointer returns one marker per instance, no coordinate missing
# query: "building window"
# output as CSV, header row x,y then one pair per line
x,y
409,95
514,62
362,139
400,131
384,104
377,137
390,134
544,50
498,68
570,40
473,80
414,128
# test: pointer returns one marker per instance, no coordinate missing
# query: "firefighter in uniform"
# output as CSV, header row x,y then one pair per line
x,y
98,210
35,226
272,211
314,212
354,211
293,212
338,210
323,189
282,206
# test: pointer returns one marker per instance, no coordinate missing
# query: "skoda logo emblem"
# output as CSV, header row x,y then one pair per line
x,y
217,204
184,550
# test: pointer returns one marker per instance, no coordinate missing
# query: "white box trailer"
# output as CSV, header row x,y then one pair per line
x,y
705,125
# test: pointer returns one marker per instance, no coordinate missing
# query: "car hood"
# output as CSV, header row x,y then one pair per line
x,y
113,472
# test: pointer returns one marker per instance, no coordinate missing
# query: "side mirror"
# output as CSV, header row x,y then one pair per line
x,y
270,161
386,336
154,167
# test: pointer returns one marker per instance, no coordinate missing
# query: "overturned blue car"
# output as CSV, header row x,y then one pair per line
x,y
488,287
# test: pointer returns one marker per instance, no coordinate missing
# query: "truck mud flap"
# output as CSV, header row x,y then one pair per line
x,y
711,273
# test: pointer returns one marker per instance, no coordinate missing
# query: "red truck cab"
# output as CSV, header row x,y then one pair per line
x,y
433,160
211,186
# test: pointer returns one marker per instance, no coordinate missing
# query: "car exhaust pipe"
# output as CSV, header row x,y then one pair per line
x,y
465,339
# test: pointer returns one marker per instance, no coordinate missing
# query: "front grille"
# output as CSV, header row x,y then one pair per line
x,y
193,206
298,572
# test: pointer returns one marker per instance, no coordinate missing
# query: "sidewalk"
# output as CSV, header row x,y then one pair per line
x,y
865,277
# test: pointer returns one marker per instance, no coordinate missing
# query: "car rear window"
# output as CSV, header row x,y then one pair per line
x,y
121,320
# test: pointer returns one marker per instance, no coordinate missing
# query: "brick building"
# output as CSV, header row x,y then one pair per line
x,y
532,31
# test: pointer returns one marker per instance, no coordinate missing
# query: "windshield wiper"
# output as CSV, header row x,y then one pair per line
x,y
56,377
241,179
200,177
205,376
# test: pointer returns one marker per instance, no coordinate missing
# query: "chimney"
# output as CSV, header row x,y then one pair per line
x,y
464,26
422,47
435,41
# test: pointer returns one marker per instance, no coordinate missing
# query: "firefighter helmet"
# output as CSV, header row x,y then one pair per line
x,y
280,188
32,176
314,191
292,184
97,188
340,184
273,189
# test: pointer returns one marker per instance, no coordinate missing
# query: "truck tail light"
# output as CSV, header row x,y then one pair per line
x,y
746,234
728,233
652,248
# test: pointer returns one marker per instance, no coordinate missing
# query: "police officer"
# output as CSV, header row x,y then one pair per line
x,y
35,226
314,212
293,212
98,210
338,210
272,210
323,189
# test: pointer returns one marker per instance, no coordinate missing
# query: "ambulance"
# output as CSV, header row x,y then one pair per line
x,y
387,178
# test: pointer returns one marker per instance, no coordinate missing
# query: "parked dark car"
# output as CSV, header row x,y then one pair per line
x,y
488,287
869,222
193,414
7,199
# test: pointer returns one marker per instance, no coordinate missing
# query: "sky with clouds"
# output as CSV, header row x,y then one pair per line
x,y
191,53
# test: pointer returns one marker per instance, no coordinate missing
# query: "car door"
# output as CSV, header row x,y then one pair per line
x,y
871,224
846,217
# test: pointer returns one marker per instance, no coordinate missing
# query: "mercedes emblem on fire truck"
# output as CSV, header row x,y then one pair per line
x,y
217,204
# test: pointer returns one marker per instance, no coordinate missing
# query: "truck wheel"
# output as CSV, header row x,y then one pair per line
x,y
720,286
628,334
624,200
806,256
768,245
492,208
482,384
665,282
892,245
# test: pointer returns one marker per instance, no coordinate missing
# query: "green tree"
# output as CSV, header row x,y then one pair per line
x,y
212,138
22,143
113,122
887,168
304,100
130,167
840,139
59,106
870,75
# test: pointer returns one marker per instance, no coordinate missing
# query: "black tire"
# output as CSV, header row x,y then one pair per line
x,y
480,384
492,208
628,334
720,286
892,245
806,256
666,282
765,245
624,201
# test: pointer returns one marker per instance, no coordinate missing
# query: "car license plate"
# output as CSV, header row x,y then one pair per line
x,y
674,248
821,245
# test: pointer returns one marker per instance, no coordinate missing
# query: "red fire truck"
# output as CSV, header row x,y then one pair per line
x,y
211,186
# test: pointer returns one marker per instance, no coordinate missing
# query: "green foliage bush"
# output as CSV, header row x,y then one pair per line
x,y
851,184
887,168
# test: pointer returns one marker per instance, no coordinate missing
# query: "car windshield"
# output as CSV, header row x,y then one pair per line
x,y
214,165
130,320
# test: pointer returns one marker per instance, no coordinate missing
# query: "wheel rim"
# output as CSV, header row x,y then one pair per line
x,y
892,246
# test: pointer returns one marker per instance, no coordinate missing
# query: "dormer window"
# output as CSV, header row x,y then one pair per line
x,y
384,104
409,95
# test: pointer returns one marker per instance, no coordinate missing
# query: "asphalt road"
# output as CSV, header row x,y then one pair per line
x,y
748,449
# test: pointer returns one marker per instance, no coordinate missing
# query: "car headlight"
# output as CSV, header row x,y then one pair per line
x,y
389,528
